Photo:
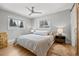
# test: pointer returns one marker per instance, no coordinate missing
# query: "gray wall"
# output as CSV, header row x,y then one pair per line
x,y
12,34
58,19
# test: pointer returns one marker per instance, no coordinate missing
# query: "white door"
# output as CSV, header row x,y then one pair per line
x,y
74,27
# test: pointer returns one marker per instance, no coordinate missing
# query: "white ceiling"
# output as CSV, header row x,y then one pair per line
x,y
45,8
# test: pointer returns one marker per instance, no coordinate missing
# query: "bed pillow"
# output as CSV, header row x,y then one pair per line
x,y
51,33
38,32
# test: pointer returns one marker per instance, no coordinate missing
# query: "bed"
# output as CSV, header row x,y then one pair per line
x,y
38,44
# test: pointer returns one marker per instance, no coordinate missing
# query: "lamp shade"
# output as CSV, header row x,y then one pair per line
x,y
60,30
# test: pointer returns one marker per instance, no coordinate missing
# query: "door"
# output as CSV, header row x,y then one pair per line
x,y
74,26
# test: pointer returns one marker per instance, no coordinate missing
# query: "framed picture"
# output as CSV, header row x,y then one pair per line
x,y
43,24
15,23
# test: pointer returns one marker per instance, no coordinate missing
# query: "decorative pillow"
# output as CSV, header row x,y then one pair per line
x,y
52,33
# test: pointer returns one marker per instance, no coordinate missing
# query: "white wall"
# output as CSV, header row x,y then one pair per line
x,y
74,26
58,19
12,34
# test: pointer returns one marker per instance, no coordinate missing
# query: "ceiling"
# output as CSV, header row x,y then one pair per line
x,y
45,8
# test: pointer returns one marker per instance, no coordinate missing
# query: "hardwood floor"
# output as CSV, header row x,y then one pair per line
x,y
55,50
62,50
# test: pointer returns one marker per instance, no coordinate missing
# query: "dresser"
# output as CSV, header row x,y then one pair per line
x,y
3,39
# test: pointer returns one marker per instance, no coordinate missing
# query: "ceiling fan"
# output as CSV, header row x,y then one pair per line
x,y
32,11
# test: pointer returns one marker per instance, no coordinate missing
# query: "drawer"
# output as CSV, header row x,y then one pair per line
x,y
1,44
60,40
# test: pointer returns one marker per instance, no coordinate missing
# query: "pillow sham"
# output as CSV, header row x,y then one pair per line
x,y
38,32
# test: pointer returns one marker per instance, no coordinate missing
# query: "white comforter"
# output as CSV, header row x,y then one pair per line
x,y
37,44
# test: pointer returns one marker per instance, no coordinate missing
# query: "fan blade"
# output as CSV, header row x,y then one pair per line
x,y
28,8
38,12
30,14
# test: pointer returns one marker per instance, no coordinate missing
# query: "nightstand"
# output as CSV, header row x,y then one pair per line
x,y
60,39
